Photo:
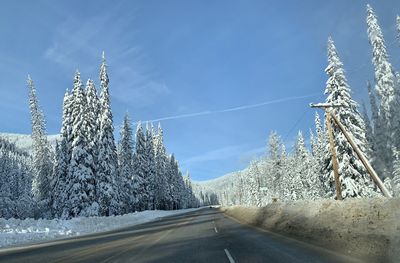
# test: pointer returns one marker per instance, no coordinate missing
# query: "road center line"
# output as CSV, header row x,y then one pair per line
x,y
231,260
215,227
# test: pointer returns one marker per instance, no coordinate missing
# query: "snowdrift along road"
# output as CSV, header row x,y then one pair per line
x,y
15,232
365,228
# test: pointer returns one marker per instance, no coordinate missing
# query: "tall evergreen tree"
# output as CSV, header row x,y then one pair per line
x,y
276,166
82,199
42,165
396,175
319,149
151,168
307,170
126,171
175,182
140,168
15,182
377,159
353,176
253,185
66,128
162,193
302,163
107,176
369,135
387,126
92,116
62,158
92,121
60,168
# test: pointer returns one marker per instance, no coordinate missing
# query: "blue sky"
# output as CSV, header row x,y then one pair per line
x,y
170,58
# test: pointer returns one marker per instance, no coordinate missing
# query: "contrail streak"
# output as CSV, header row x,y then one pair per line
x,y
238,108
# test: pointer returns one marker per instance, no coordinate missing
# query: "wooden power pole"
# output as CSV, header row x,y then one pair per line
x,y
364,160
330,115
334,157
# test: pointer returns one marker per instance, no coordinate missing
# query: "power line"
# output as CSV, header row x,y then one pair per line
x,y
237,108
301,117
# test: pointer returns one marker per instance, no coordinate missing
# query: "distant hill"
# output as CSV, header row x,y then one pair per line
x,y
214,186
217,182
24,141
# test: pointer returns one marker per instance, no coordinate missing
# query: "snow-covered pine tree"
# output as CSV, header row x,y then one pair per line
x,y
369,135
162,194
274,180
62,159
186,181
66,128
313,142
190,197
125,164
15,182
60,169
92,119
151,168
319,148
181,187
107,173
253,183
141,181
172,175
293,179
353,176
388,126
376,159
42,165
310,186
396,175
282,191
81,187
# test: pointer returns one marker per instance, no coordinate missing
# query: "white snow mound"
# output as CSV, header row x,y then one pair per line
x,y
14,232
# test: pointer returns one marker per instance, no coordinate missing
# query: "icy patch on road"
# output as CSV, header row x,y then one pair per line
x,y
18,232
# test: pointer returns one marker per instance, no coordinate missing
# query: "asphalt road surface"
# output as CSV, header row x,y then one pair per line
x,y
206,235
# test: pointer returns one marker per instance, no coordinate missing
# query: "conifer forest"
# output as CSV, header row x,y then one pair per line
x,y
89,173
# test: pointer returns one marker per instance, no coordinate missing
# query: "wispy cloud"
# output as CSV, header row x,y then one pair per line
x,y
238,108
73,37
241,152
247,156
133,85
131,77
215,155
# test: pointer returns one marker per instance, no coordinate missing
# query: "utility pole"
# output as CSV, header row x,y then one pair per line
x,y
335,164
331,115
334,157
364,160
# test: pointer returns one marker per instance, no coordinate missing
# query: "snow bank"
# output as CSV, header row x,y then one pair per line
x,y
17,232
365,228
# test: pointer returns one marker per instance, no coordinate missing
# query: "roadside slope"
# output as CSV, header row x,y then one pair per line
x,y
365,228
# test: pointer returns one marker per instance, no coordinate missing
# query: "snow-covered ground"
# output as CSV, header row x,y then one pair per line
x,y
15,232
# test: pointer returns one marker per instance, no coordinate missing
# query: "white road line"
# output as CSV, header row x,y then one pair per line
x,y
215,227
231,260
